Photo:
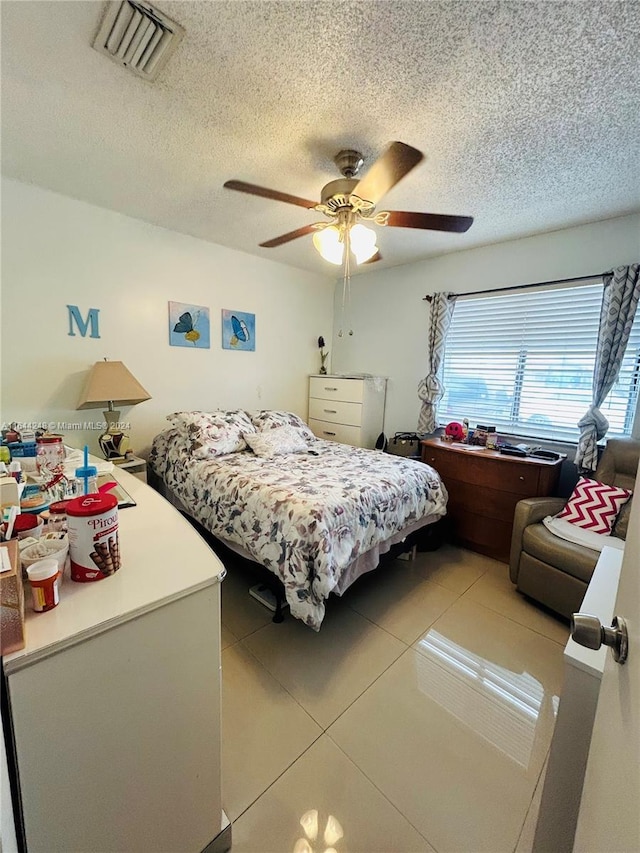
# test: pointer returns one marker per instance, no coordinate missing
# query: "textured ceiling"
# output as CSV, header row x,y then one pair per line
x,y
527,113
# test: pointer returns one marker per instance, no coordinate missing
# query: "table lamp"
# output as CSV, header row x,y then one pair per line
x,y
110,382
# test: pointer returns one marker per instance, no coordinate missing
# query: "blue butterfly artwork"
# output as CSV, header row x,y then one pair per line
x,y
238,330
189,325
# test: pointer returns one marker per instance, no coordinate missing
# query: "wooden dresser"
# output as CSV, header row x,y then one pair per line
x,y
349,409
484,487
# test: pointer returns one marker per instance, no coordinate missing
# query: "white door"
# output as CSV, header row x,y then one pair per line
x,y
609,820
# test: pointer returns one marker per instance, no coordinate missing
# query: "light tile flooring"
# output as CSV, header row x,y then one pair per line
x,y
418,719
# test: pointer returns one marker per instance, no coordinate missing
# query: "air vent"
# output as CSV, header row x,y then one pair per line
x,y
137,36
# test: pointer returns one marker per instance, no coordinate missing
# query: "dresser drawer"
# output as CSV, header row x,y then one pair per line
x,y
487,536
334,388
335,411
336,432
465,499
470,466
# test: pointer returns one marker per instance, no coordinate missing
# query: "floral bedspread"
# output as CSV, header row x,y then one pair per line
x,y
305,517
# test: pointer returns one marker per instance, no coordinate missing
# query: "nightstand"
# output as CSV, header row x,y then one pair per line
x,y
134,465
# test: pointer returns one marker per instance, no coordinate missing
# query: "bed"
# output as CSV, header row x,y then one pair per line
x,y
316,513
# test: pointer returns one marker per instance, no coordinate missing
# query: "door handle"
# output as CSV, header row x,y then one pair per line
x,y
588,631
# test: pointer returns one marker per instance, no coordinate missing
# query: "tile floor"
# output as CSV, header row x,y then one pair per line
x,y
418,719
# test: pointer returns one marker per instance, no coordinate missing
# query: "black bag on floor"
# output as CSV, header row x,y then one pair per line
x,y
405,444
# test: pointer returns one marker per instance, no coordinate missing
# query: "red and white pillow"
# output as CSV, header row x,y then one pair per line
x,y
594,506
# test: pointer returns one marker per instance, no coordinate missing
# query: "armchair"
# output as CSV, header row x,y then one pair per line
x,y
549,569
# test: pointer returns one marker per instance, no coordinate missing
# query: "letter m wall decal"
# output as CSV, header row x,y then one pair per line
x,y
76,317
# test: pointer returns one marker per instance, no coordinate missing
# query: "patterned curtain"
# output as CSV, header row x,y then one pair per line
x,y
430,389
619,301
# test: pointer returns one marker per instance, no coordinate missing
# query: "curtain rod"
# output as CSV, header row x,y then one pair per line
x,y
525,286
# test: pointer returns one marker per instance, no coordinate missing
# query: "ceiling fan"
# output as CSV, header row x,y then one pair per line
x,y
349,202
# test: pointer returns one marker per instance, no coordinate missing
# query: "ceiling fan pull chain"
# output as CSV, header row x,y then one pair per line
x,y
344,300
346,285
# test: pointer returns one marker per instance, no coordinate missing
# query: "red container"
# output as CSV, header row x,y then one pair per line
x,y
57,517
25,521
43,578
27,524
92,522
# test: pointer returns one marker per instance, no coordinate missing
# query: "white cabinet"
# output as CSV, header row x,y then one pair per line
x,y
349,409
115,699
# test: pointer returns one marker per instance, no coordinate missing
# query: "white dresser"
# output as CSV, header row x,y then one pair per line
x,y
114,703
349,409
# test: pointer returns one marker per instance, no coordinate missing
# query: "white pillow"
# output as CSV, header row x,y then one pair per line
x,y
276,442
211,434
267,419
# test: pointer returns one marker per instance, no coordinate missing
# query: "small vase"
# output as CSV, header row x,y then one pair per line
x,y
323,370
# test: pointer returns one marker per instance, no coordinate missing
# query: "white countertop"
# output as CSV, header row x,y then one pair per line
x,y
163,558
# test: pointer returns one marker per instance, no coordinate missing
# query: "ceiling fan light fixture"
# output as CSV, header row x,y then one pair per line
x,y
328,243
363,242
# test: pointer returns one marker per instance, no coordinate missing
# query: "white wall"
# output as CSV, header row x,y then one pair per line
x,y
389,316
58,251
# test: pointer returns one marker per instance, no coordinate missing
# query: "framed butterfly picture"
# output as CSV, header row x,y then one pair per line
x,y
189,326
238,330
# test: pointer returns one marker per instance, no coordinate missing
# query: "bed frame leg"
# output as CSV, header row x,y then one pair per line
x,y
408,555
278,616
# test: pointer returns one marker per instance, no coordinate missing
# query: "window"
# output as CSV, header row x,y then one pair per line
x,y
524,362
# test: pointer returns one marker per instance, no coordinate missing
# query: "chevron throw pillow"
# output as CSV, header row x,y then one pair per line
x,y
594,506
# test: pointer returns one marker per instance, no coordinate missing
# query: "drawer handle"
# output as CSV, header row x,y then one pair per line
x,y
330,389
522,478
327,433
330,411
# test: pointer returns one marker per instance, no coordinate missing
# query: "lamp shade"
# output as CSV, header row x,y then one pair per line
x,y
111,382
328,243
363,242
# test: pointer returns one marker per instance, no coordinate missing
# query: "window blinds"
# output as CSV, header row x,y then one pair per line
x,y
524,362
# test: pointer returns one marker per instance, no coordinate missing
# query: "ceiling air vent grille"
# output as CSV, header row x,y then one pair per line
x,y
138,36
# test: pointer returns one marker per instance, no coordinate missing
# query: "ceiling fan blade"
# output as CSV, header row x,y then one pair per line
x,y
372,259
252,189
285,238
397,161
429,221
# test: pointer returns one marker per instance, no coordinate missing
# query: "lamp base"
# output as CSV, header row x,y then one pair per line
x,y
114,443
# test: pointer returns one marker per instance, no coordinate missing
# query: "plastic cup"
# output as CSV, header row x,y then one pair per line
x,y
43,579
